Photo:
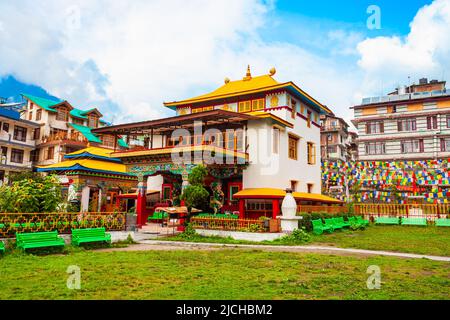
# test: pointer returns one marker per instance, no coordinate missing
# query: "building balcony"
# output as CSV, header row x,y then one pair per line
x,y
167,152
8,139
332,128
64,138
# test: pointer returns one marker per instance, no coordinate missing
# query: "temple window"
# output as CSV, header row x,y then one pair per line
x,y
245,106
293,108
308,119
258,104
293,147
311,153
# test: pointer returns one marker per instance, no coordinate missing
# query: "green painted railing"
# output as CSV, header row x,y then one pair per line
x,y
11,223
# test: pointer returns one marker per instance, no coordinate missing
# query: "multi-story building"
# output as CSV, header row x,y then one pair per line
x,y
411,123
336,142
255,135
64,129
17,142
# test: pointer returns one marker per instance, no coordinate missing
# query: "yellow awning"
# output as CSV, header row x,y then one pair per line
x,y
279,193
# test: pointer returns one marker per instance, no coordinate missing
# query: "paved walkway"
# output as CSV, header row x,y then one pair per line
x,y
176,245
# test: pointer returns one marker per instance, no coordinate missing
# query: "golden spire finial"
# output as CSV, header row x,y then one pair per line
x,y
272,71
248,75
227,80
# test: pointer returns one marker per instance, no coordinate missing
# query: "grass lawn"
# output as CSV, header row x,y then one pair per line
x,y
422,240
220,274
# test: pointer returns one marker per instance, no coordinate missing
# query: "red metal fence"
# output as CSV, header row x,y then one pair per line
x,y
11,223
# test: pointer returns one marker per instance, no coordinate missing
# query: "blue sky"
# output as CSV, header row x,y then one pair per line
x,y
396,14
170,50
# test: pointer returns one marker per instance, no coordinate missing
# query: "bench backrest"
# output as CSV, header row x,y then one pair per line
x,y
90,232
317,223
37,236
419,220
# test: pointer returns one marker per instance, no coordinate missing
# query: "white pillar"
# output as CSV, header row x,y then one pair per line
x,y
85,199
99,206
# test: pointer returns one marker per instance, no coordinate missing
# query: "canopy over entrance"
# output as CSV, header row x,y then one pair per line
x,y
272,193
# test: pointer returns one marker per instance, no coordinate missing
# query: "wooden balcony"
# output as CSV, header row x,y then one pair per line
x,y
74,138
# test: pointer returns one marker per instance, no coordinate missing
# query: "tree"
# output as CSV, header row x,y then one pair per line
x,y
29,195
195,194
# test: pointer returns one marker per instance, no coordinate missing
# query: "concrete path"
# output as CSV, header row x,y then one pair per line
x,y
176,245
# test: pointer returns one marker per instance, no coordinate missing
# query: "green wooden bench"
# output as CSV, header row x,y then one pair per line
x,y
2,247
442,222
362,221
386,220
414,222
158,215
80,236
330,222
38,240
319,227
342,222
354,221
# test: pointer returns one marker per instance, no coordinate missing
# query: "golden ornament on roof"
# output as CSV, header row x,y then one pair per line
x,y
272,71
227,80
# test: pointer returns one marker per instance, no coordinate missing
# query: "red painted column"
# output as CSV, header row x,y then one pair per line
x,y
275,208
141,204
241,208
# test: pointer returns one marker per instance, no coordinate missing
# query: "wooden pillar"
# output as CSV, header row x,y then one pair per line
x,y
275,208
151,138
241,208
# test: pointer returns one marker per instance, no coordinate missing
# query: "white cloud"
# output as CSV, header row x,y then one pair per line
x,y
129,58
424,52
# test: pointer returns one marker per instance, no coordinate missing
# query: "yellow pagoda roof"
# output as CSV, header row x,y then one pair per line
x,y
86,165
102,152
247,85
280,193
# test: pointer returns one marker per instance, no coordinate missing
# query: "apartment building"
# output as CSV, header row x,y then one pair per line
x,y
336,142
17,143
411,123
64,129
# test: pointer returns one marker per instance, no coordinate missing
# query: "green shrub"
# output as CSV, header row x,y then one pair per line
x,y
296,237
189,232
